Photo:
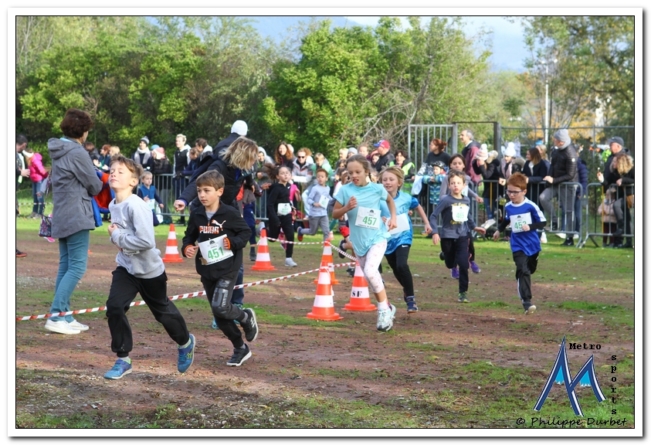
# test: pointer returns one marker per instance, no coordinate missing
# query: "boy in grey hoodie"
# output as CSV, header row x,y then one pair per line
x,y
140,270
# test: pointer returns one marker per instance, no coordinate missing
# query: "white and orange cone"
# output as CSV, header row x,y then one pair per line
x,y
262,259
171,248
359,296
327,260
324,308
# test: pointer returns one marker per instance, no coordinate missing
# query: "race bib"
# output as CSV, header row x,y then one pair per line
x,y
152,204
284,209
324,201
460,213
403,224
213,250
368,218
518,221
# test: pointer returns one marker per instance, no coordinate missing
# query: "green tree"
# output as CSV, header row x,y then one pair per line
x,y
595,64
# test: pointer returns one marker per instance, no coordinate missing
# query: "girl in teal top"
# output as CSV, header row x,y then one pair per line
x,y
360,200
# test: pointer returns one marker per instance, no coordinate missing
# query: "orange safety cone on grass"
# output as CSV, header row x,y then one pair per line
x,y
172,249
327,260
262,259
359,296
324,308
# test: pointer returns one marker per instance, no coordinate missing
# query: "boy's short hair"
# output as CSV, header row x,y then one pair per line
x,y
211,178
321,170
146,173
518,180
131,165
456,174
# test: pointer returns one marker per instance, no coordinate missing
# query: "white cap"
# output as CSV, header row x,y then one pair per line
x,y
510,149
240,128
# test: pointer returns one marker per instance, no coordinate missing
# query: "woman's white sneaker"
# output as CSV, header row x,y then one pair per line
x,y
61,327
290,262
76,325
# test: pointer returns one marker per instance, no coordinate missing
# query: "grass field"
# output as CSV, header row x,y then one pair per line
x,y
450,366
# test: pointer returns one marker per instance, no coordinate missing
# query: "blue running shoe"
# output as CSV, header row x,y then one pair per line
x,y
214,324
186,355
119,370
454,272
411,305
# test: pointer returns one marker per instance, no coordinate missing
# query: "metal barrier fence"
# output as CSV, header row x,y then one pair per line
x,y
584,221
604,212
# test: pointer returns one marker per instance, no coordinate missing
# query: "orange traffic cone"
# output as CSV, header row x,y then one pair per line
x,y
262,259
172,249
326,260
324,308
359,298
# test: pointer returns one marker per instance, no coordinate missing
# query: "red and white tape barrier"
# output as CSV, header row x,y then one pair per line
x,y
175,297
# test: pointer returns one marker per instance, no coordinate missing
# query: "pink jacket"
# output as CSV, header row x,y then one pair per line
x,y
36,170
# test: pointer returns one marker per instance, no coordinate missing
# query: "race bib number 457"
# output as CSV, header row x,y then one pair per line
x,y
368,218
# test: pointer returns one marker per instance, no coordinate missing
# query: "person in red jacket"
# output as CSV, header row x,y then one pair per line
x,y
37,174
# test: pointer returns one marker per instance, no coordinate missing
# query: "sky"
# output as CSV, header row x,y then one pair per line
x,y
508,49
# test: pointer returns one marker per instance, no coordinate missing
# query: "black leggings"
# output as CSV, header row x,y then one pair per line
x,y
288,229
525,266
224,310
455,251
398,263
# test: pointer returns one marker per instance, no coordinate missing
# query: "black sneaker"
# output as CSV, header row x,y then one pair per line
x,y
239,356
253,256
250,326
341,246
569,241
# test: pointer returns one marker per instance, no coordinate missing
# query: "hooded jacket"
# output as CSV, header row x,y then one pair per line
x,y
74,182
563,167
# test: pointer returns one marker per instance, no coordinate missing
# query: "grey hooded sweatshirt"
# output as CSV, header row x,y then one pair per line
x,y
74,182
135,238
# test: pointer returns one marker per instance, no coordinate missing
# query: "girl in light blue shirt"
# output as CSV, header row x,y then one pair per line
x,y
397,252
360,201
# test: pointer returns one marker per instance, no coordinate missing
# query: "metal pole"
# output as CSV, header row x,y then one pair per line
x,y
546,103
546,106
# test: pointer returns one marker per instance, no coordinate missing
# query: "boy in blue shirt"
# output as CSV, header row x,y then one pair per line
x,y
148,193
525,218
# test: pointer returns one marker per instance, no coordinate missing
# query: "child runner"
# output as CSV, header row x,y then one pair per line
x,y
220,234
455,231
399,244
148,193
279,210
525,218
318,200
458,163
360,199
140,270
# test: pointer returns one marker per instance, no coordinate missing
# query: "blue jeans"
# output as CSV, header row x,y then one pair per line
x,y
73,258
489,208
39,201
